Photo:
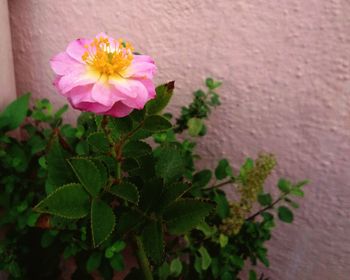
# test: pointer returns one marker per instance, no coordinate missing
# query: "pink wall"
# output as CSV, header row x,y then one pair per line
x,y
7,77
286,72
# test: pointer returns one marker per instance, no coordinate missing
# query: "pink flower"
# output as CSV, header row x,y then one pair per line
x,y
102,75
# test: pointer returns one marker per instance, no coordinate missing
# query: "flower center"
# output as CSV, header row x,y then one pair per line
x,y
108,57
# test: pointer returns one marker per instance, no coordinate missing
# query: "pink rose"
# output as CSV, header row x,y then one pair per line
x,y
102,75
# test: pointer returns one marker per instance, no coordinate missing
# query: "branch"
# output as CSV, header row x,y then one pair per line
x,y
252,217
230,181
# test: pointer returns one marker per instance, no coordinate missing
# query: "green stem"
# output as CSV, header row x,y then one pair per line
x,y
118,171
142,259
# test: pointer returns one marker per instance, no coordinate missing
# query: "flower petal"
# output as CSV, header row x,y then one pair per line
x,y
76,49
105,94
135,92
140,70
119,110
63,64
80,98
67,82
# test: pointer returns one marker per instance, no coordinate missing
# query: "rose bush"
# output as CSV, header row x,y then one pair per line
x,y
124,179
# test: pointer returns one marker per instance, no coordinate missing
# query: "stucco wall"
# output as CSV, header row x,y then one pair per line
x,y
7,77
286,71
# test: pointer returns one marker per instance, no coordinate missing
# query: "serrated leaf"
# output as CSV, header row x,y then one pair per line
x,y
173,192
170,164
163,96
99,141
102,169
119,127
59,171
88,175
102,221
135,149
285,215
153,240
185,214
126,191
129,220
151,192
195,126
223,169
156,123
15,113
70,201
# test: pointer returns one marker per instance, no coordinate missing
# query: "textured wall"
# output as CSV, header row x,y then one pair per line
x,y
286,71
7,77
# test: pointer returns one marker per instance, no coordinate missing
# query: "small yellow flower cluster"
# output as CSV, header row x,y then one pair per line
x,y
248,190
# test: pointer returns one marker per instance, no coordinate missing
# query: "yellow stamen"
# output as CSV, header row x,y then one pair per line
x,y
106,58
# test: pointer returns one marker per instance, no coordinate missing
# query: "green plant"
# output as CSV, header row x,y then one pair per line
x,y
110,183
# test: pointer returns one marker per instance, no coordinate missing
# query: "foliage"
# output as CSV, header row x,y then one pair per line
x,y
92,190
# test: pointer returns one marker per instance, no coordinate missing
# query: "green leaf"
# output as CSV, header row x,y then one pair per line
x,y
153,240
164,271
170,164
297,192
102,221
207,230
201,178
205,258
156,123
223,240
69,201
185,214
119,127
163,96
223,169
88,174
211,84
15,113
129,220
99,141
264,199
195,126
126,191
135,149
117,262
252,275
285,214
175,267
222,208
284,185
151,192
173,193
301,183
59,171
94,261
